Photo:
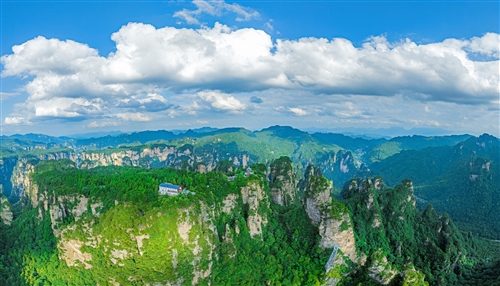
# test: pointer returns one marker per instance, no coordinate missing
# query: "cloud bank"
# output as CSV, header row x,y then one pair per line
x,y
214,67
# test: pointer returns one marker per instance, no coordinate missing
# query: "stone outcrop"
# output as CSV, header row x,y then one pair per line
x,y
5,211
333,220
282,182
338,231
258,204
380,269
70,251
339,167
318,194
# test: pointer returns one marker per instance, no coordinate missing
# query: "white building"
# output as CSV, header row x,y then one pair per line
x,y
169,189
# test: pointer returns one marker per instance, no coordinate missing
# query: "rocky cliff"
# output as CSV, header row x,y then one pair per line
x,y
16,171
283,182
5,211
333,219
338,167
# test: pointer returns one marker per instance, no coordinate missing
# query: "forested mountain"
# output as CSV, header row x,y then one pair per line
x,y
93,204
398,144
463,180
109,226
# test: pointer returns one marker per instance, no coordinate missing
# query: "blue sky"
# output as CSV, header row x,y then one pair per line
x,y
83,66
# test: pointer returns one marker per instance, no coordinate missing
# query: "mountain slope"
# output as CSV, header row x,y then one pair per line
x,y
462,180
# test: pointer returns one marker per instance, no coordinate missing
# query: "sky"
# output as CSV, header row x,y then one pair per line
x,y
88,66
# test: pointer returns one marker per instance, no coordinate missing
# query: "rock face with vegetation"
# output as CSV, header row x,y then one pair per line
x,y
5,211
333,220
283,182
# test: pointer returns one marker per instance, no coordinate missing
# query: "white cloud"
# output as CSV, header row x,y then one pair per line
x,y
95,124
215,8
488,45
221,101
297,111
133,116
269,25
71,81
5,95
15,120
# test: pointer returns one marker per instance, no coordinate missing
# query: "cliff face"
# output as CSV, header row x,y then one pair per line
x,y
5,211
15,173
338,231
335,226
91,233
318,194
283,182
258,205
20,179
338,167
6,167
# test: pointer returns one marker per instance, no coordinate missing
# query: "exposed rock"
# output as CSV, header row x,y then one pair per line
x,y
255,197
21,179
183,227
69,251
5,211
229,203
283,184
202,168
318,194
94,208
381,269
80,208
335,231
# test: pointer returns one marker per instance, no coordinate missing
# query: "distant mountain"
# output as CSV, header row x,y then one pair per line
x,y
462,180
375,133
348,142
136,138
95,134
38,138
416,142
196,130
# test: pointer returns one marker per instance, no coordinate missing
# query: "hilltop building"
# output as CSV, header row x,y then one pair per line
x,y
169,189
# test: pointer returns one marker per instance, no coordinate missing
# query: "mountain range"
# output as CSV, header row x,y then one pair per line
x,y
374,201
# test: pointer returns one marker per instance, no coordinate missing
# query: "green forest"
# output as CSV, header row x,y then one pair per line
x,y
108,225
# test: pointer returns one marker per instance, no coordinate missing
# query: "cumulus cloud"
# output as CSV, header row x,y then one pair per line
x,y
152,102
487,45
215,8
15,120
221,101
297,111
70,80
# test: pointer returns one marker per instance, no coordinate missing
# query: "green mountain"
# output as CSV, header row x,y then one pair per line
x,y
109,226
462,180
415,142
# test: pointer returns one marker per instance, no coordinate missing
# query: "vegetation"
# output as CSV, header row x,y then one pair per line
x,y
105,225
388,226
462,180
129,206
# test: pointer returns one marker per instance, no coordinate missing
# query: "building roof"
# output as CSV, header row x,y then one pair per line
x,y
168,185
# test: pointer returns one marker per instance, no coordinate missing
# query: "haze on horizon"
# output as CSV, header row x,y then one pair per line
x,y
78,67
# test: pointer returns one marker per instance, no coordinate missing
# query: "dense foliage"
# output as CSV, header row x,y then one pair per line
x,y
387,224
462,180
286,252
